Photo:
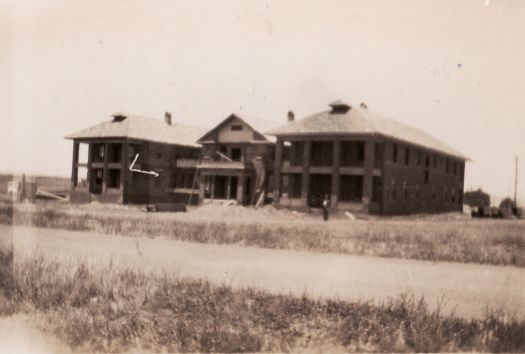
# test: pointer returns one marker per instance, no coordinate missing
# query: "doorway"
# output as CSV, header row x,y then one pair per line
x,y
320,186
233,187
95,185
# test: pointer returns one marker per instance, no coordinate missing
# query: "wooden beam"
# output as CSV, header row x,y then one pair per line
x,y
74,167
228,187
212,187
305,182
368,172
124,173
277,172
336,162
105,171
240,189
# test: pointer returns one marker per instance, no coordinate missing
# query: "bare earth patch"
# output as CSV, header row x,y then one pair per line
x,y
19,335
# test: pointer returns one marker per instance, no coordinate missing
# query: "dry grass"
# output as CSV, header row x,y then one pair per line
x,y
114,310
499,242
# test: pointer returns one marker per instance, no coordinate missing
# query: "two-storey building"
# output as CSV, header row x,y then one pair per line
x,y
364,162
237,161
135,159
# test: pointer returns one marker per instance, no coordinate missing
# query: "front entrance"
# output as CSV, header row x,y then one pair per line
x,y
320,187
95,184
233,187
225,187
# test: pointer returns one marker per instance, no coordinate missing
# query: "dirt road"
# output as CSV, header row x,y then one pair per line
x,y
467,288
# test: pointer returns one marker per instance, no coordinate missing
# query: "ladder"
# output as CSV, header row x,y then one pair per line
x,y
195,177
258,191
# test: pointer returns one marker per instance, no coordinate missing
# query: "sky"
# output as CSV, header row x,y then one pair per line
x,y
455,69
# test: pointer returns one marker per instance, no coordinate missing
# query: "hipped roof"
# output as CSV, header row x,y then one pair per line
x,y
142,128
358,120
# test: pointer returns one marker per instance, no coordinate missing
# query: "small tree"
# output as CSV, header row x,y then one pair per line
x,y
476,198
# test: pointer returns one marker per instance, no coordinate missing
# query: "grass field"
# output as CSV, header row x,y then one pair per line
x,y
459,239
48,183
114,310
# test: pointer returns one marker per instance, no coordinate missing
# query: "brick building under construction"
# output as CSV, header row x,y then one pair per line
x,y
361,161
364,162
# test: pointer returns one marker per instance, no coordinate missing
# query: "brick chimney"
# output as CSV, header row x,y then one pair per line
x,y
291,116
167,118
363,105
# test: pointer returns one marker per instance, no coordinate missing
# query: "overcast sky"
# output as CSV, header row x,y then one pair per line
x,y
453,68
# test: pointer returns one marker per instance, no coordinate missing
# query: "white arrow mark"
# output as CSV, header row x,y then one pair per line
x,y
140,171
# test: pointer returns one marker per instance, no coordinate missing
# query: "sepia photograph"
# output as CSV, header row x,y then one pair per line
x,y
262,176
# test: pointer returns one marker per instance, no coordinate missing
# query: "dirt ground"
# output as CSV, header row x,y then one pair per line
x,y
466,288
18,335
218,211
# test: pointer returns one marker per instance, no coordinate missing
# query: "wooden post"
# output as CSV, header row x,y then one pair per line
x,y
368,172
277,171
240,189
89,172
202,188
336,163
74,167
105,171
228,188
212,187
305,182
124,166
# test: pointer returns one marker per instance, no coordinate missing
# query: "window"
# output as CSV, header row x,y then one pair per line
x,y
394,153
417,191
297,153
236,154
114,179
133,150
190,177
285,185
394,194
446,166
352,153
159,155
427,177
427,161
407,155
97,152
419,157
453,192
294,188
377,189
434,163
321,153
114,152
378,155
236,127
454,168
351,188
406,193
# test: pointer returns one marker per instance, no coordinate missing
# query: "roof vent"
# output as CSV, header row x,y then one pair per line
x,y
291,116
118,117
340,107
167,118
363,105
